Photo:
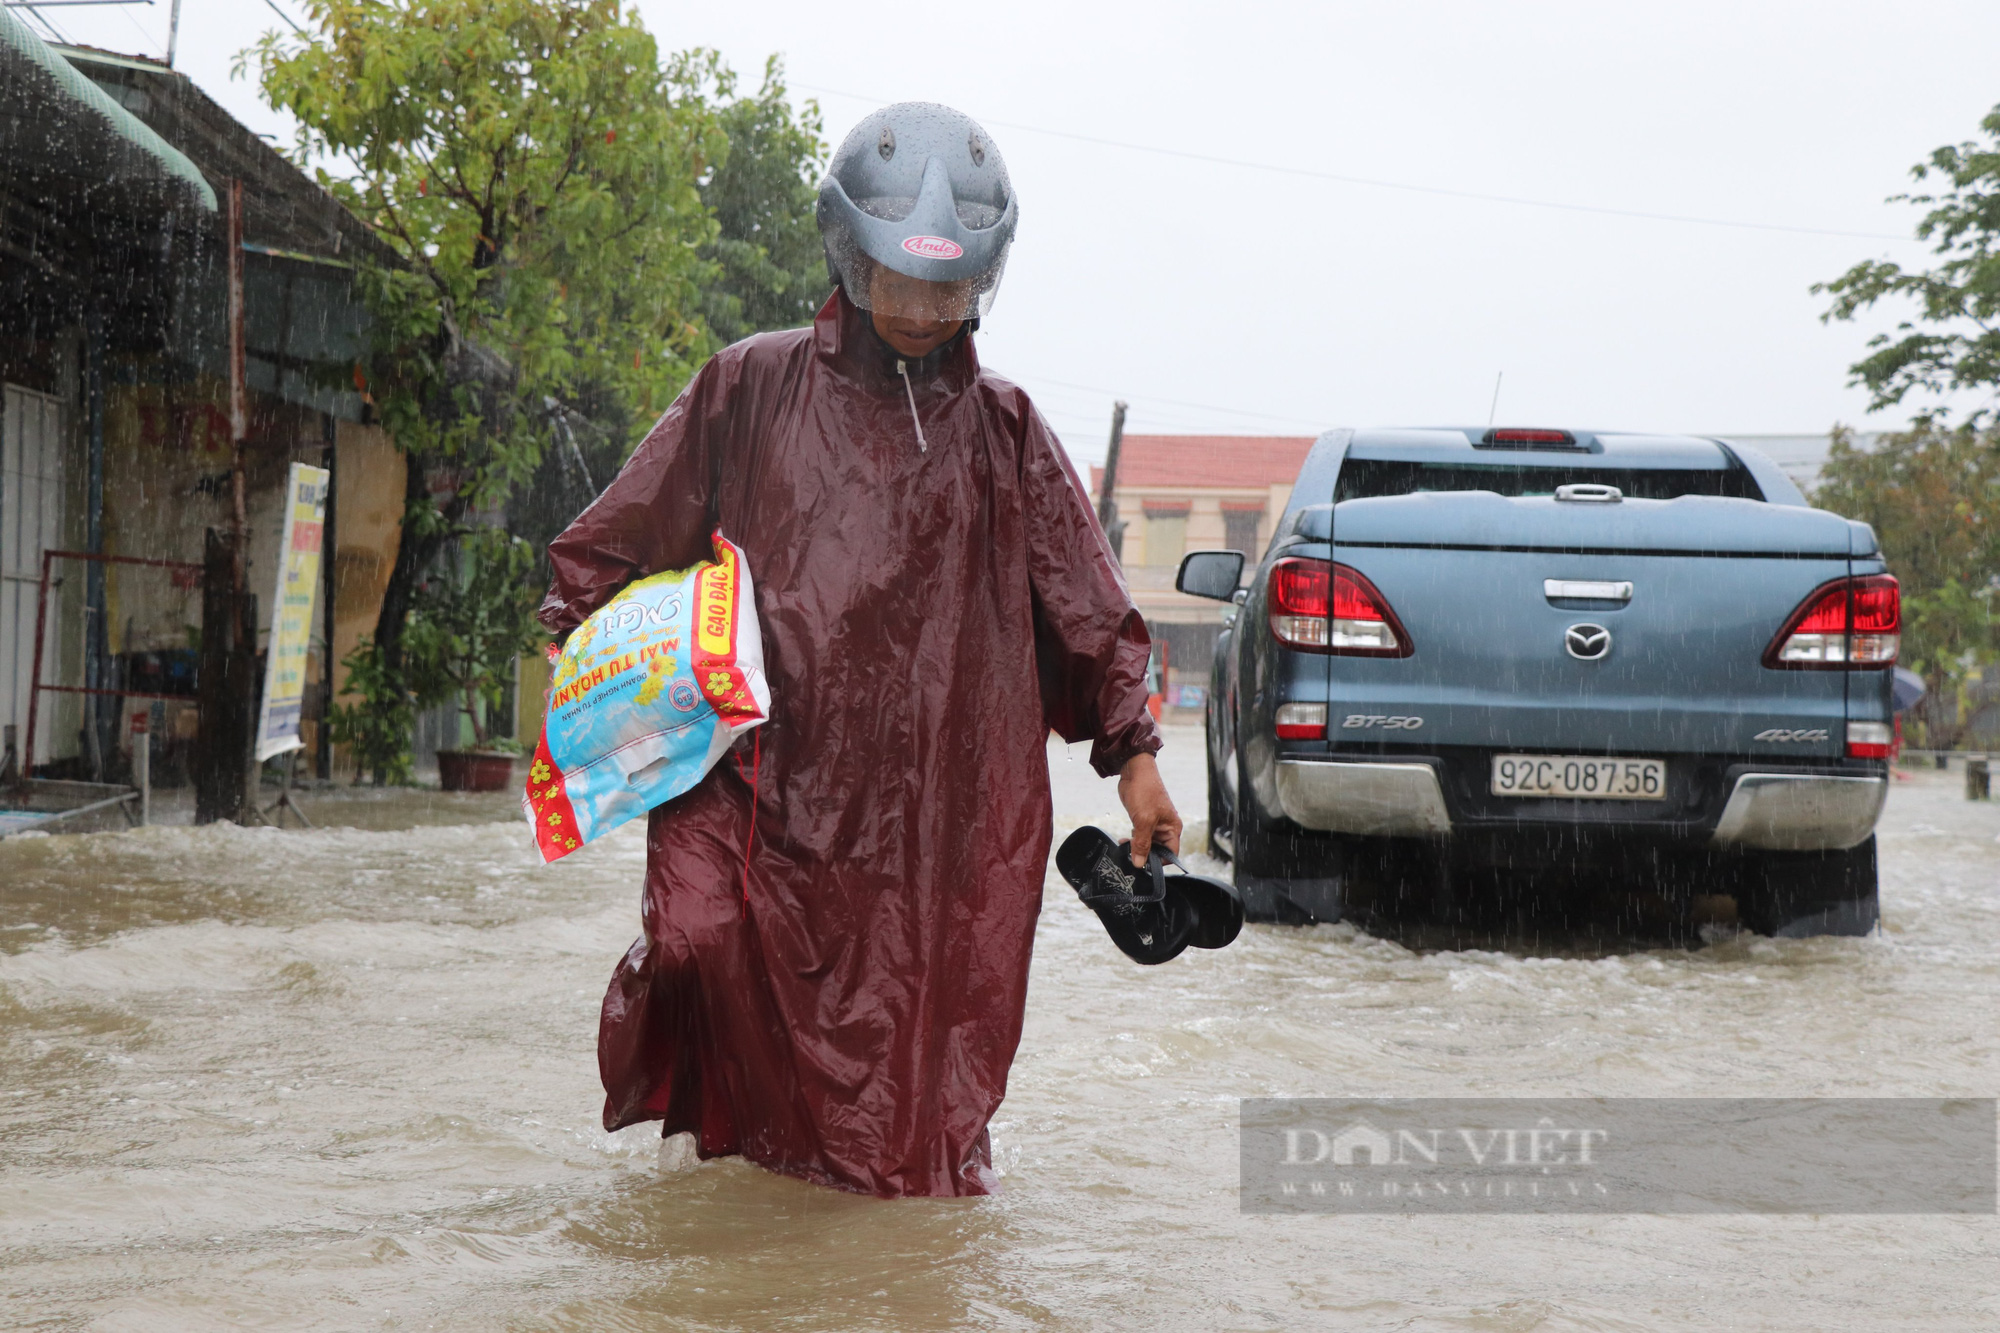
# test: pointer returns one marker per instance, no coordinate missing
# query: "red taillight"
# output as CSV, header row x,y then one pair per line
x,y
1521,435
1327,608
1878,605
1298,587
1848,624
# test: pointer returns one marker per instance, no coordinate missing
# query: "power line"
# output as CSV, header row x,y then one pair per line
x,y
286,17
145,38
1139,400
1407,186
1147,408
47,23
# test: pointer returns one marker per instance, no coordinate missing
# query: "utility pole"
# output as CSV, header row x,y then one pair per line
x,y
224,785
239,425
239,406
329,456
1107,494
99,731
173,32
239,493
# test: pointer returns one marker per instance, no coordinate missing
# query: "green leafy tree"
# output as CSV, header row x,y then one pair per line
x,y
766,270
467,623
376,725
1933,493
770,267
472,618
1952,343
533,171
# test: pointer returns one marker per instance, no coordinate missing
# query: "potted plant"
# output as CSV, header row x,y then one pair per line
x,y
468,625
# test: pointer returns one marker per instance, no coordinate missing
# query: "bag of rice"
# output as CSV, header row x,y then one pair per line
x,y
647,694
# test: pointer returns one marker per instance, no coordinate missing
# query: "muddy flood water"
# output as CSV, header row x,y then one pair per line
x,y
346,1079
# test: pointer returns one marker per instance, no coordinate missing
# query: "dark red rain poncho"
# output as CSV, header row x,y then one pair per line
x,y
927,618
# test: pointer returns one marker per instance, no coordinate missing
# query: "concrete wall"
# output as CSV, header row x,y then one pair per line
x,y
368,493
167,481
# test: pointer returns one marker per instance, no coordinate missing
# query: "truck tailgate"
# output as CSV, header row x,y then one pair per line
x,y
1711,582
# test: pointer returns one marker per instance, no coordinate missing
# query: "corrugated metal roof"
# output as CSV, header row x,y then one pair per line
x,y
16,38
284,209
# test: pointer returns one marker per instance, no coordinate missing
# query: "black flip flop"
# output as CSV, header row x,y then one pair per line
x,y
1150,922
1218,911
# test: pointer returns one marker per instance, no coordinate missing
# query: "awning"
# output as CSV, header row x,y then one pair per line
x,y
56,120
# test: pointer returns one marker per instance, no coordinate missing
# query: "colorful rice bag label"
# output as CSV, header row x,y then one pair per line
x,y
645,696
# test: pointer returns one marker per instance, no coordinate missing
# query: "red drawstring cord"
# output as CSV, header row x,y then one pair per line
x,y
756,762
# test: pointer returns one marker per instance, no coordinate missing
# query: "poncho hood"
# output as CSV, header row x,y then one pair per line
x,y
844,337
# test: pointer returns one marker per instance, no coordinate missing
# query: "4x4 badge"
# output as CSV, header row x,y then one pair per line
x,y
1587,643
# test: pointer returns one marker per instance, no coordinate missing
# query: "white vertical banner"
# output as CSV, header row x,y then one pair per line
x,y
292,611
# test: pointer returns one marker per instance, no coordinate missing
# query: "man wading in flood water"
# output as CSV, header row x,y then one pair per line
x,y
834,962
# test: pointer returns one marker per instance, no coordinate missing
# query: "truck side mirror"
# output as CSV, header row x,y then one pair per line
x,y
1211,574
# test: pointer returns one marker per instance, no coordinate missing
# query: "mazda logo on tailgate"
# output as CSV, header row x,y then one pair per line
x,y
1587,643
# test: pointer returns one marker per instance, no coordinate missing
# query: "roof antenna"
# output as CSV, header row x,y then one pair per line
x,y
1497,375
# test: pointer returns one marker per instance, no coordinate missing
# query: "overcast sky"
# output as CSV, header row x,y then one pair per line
x,y
1225,298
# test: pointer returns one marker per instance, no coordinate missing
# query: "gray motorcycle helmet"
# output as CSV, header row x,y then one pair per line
x,y
921,190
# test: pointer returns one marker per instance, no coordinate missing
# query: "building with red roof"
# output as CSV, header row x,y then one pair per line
x,y
1181,493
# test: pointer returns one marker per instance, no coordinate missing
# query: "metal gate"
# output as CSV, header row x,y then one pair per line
x,y
31,521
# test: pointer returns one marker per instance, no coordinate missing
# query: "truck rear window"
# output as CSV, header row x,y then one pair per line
x,y
1366,478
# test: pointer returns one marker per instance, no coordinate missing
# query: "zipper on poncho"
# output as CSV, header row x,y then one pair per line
x,y
911,393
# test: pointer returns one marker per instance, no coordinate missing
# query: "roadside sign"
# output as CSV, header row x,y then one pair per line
x,y
292,611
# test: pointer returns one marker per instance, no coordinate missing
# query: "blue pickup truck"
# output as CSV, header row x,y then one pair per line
x,y
1644,658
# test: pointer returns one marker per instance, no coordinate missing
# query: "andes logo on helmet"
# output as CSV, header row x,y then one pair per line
x,y
933,247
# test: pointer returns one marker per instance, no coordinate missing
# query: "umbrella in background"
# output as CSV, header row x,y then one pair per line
x,y
1905,689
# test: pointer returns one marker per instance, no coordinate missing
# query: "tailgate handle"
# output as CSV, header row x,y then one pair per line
x,y
1583,590
1589,492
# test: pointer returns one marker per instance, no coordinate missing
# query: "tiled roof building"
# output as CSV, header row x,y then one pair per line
x,y
1181,493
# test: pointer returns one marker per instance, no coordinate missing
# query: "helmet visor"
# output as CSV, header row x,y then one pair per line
x,y
881,289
